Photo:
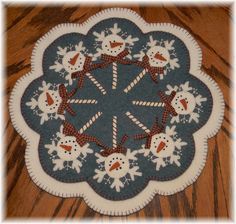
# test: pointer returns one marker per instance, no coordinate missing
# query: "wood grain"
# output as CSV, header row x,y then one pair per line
x,y
208,197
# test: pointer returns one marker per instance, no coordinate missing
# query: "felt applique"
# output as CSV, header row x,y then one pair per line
x,y
118,165
116,110
157,58
114,46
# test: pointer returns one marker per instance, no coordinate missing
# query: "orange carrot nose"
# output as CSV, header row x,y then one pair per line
x,y
115,44
184,103
159,57
66,147
114,166
49,99
74,59
161,146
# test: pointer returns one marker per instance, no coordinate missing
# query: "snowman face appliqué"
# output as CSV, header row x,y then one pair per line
x,y
166,148
113,45
73,61
158,56
68,149
162,145
49,101
116,165
184,102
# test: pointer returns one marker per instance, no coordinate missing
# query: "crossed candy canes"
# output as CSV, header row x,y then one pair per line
x,y
162,148
51,101
74,63
70,148
113,47
116,163
156,59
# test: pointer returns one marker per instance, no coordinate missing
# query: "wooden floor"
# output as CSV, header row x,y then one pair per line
x,y
208,197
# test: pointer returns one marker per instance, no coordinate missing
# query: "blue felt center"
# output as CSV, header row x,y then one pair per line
x,y
117,103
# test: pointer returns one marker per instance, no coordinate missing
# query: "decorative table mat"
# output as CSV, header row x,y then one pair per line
x,y
116,110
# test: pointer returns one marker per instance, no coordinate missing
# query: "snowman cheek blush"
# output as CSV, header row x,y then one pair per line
x,y
73,61
158,56
113,45
49,101
184,103
116,165
162,145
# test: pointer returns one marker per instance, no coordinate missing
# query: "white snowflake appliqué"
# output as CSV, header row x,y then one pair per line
x,y
165,148
113,41
70,59
161,54
157,58
187,103
45,102
66,153
117,169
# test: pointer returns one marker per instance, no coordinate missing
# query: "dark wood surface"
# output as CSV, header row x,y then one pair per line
x,y
208,197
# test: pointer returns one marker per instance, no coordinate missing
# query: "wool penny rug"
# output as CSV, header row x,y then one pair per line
x,y
116,110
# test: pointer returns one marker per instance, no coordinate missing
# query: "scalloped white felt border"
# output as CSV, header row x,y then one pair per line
x,y
95,201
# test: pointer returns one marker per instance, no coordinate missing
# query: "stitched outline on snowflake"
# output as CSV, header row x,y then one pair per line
x,y
80,66
105,206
